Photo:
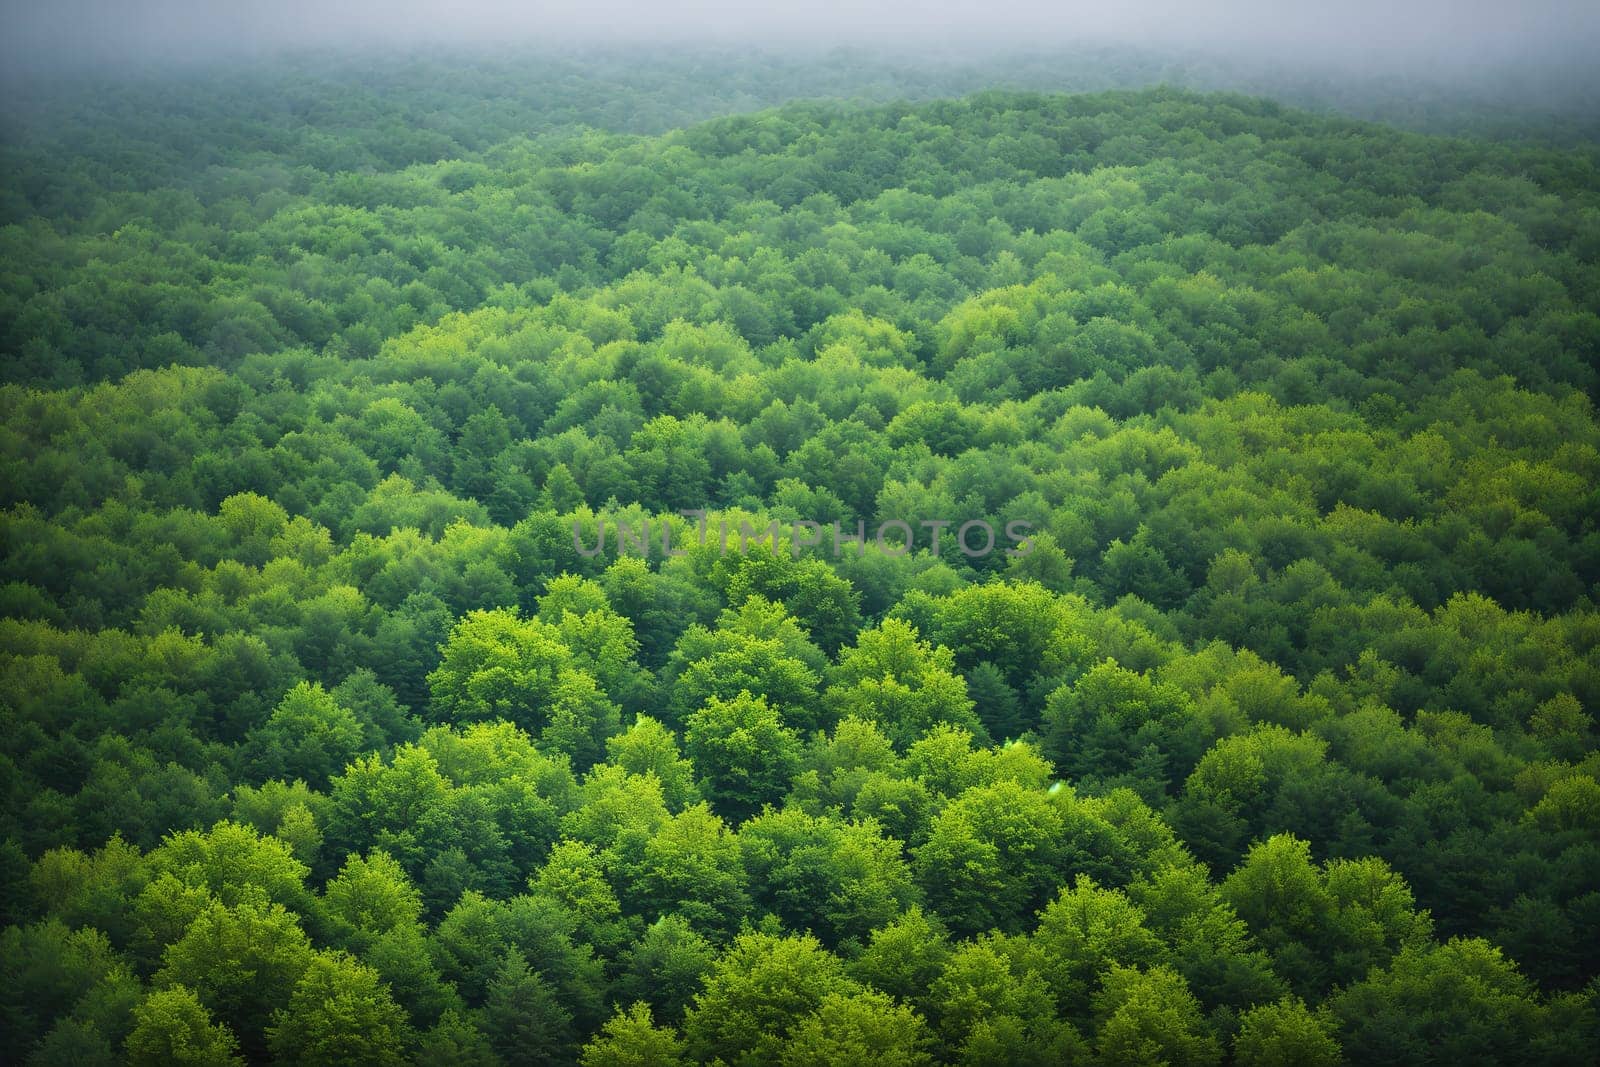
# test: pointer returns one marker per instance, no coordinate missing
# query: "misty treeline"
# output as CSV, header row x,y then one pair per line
x,y
321,744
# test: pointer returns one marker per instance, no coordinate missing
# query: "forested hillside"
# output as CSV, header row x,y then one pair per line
x,y
327,738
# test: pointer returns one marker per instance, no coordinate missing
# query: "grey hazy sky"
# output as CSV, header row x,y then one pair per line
x,y
1366,33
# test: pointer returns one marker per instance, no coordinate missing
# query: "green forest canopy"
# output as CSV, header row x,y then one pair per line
x,y
322,744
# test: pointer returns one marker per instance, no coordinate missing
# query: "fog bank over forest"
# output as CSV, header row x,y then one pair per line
x,y
1456,37
1439,66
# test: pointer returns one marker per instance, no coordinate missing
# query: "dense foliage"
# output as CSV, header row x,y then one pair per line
x,y
323,743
